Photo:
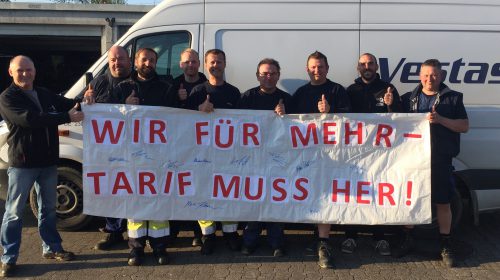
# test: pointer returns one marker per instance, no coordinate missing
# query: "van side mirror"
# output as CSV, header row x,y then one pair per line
x,y
88,78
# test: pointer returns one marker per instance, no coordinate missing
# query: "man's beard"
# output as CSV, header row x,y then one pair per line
x,y
368,75
146,72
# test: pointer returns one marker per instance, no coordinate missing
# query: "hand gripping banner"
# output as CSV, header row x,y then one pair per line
x,y
161,163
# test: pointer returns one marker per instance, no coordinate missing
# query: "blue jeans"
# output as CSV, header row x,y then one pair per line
x,y
275,234
20,182
114,225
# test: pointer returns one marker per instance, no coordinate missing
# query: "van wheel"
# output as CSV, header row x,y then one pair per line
x,y
432,229
69,202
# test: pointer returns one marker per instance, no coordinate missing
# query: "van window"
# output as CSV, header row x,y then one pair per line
x,y
169,47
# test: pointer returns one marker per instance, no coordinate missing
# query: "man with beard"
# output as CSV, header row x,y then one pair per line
x,y
100,90
369,94
321,95
184,83
215,93
267,96
447,118
145,88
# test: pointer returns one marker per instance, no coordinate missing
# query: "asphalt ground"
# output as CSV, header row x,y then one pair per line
x,y
478,254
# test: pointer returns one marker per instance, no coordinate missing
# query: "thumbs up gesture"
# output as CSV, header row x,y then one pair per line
x,y
89,96
433,116
388,96
323,106
206,106
182,93
280,108
132,99
74,114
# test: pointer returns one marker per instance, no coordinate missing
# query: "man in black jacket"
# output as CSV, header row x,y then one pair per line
x,y
213,94
183,84
100,90
145,88
448,118
369,94
321,95
190,77
267,96
32,115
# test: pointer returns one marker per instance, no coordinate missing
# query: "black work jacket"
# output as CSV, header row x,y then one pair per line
x,y
33,137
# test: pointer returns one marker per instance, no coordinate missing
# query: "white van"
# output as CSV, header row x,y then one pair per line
x,y
462,34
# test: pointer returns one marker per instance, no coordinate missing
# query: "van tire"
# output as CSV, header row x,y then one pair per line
x,y
69,203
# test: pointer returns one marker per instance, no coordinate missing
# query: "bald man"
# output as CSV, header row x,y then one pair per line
x,y
100,91
119,68
32,115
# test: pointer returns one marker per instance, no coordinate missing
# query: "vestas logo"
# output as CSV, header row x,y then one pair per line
x,y
455,72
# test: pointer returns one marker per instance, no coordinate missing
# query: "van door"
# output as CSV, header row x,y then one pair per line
x,y
287,32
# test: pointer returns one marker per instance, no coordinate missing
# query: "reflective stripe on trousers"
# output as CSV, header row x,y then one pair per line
x,y
141,228
208,227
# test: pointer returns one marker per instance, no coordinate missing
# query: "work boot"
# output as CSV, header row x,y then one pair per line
x,y
110,240
160,256
60,256
208,244
447,252
197,239
232,240
325,255
406,246
135,257
247,250
8,269
279,252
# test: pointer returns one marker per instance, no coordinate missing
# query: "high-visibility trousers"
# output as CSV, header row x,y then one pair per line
x,y
141,228
156,232
208,227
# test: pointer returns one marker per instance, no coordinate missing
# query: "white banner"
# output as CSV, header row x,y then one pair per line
x,y
162,163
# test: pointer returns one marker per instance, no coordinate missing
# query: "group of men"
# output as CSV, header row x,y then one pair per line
x,y
33,114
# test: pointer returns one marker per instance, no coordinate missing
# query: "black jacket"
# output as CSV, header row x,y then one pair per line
x,y
225,96
153,92
445,143
33,138
255,99
176,84
103,87
368,98
306,98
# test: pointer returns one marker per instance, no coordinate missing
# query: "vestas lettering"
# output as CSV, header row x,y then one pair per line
x,y
456,72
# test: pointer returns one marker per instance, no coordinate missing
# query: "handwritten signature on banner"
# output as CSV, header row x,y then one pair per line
x,y
317,168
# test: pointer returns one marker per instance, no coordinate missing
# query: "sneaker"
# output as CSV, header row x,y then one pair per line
x,y
232,240
60,256
196,242
406,246
110,240
135,257
325,255
208,244
383,248
348,246
279,252
247,250
448,256
8,269
161,256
